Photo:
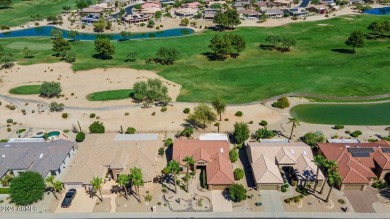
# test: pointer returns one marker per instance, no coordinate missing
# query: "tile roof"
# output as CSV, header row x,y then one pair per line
x,y
265,157
214,152
353,169
99,152
41,157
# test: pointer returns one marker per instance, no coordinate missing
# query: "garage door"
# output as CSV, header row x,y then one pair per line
x,y
268,187
217,187
353,187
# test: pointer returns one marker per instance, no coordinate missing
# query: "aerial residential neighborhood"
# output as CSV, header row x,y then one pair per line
x,y
195,109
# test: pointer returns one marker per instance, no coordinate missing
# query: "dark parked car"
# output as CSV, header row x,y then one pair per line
x,y
68,198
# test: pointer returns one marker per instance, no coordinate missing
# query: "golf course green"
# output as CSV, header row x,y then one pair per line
x,y
319,64
343,114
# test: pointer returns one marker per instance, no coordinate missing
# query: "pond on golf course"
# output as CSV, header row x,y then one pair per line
x,y
343,114
45,31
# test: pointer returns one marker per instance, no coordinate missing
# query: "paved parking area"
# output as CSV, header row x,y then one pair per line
x,y
362,200
81,203
220,204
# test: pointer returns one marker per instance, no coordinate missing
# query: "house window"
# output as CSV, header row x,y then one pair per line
x,y
53,173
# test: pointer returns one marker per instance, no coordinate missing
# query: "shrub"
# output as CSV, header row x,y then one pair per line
x,y
226,119
192,173
56,107
50,89
238,173
168,142
9,129
263,123
250,122
238,114
10,107
187,132
338,127
4,27
27,188
153,113
233,155
126,114
203,179
161,151
313,138
283,189
10,120
186,110
347,132
130,130
341,201
97,127
4,140
355,134
302,190
80,137
237,192
92,115
264,133
287,200
64,115
163,109
163,190
281,103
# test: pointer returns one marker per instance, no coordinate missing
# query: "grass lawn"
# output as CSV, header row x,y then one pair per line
x,y
317,65
21,11
27,89
110,95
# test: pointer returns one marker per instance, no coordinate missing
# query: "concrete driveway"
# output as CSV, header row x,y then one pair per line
x,y
81,203
362,201
220,203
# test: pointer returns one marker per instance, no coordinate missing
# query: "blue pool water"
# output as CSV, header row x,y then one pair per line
x,y
378,11
44,31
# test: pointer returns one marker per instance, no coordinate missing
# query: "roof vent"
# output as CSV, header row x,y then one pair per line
x,y
7,145
304,153
221,150
292,151
40,156
3,155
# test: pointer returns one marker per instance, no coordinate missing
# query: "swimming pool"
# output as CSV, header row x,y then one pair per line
x,y
45,31
378,11
54,133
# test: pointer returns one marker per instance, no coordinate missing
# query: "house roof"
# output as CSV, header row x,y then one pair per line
x,y
41,157
93,10
248,12
265,157
355,168
100,152
213,152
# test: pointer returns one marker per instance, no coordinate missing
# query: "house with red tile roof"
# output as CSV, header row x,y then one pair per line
x,y
211,155
359,163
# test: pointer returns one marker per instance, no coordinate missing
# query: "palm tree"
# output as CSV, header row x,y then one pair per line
x,y
330,166
319,162
219,106
97,185
58,186
137,179
122,181
189,161
50,183
174,168
295,123
334,179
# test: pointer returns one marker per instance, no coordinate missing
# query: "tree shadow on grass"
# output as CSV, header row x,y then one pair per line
x,y
210,56
345,51
266,47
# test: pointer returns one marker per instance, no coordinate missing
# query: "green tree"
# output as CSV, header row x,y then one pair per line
x,y
274,40
264,133
60,46
100,25
7,60
189,162
158,15
5,3
319,161
375,28
131,57
174,169
123,181
80,137
237,192
150,91
66,8
184,22
295,122
241,132
52,19
219,106
221,46
238,173
50,89
50,184
27,188
104,48
73,35
333,179
56,33
70,57
227,19
233,155
313,138
27,52
125,35
238,42
80,4
137,180
355,40
203,114
58,186
287,42
166,56
97,127
329,167
97,183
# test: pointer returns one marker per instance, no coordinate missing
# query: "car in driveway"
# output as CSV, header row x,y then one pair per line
x,y
68,198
